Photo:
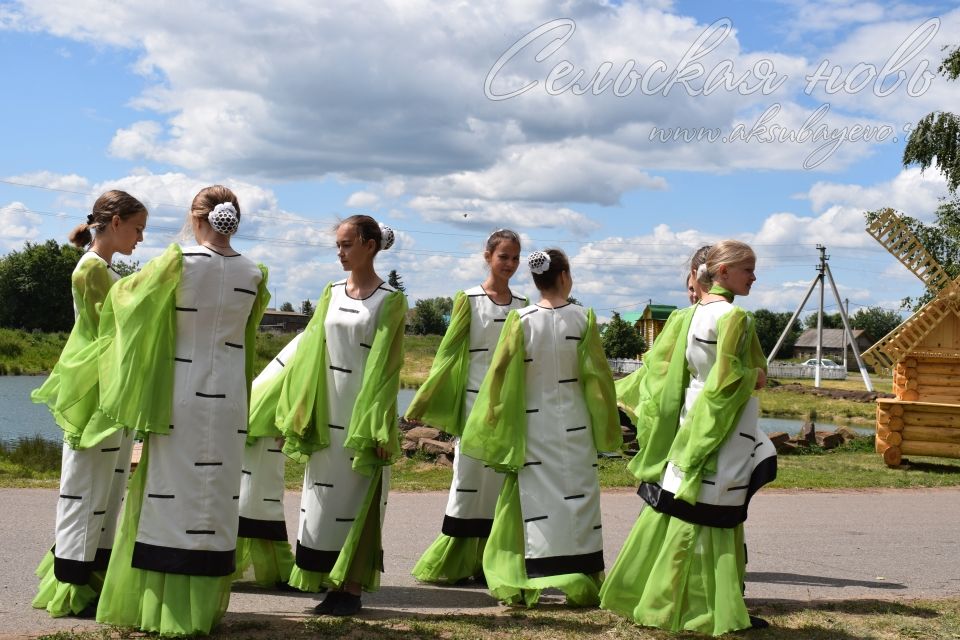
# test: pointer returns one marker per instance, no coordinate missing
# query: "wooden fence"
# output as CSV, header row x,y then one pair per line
x,y
790,370
624,365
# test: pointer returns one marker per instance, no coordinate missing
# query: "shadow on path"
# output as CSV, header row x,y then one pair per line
x,y
818,581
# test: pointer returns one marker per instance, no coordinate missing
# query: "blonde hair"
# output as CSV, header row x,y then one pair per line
x,y
728,252
209,197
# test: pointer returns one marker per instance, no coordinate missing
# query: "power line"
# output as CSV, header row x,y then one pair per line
x,y
302,220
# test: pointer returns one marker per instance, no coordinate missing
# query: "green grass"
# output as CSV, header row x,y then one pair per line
x,y
32,462
790,620
29,353
791,404
418,356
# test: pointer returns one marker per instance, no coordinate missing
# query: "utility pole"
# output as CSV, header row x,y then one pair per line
x,y
823,273
846,308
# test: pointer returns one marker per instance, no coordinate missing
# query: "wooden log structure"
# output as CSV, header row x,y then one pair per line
x,y
920,428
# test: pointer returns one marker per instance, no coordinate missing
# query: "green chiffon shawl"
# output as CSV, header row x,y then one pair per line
x,y
496,429
714,413
138,330
71,391
301,396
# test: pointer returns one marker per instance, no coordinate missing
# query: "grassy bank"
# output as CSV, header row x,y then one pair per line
x,y
790,620
26,353
777,403
34,462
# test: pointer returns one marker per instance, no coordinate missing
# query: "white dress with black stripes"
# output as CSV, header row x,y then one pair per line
x,y
332,491
92,484
188,521
475,487
262,484
745,458
559,486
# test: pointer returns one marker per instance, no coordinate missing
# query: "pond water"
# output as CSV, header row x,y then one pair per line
x,y
20,417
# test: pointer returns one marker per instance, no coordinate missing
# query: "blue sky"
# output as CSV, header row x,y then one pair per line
x,y
313,113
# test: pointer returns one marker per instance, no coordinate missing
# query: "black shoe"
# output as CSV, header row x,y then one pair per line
x,y
326,607
347,605
89,611
758,623
480,580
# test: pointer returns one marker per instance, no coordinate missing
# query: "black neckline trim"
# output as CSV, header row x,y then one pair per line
x,y
379,287
554,308
506,304
236,255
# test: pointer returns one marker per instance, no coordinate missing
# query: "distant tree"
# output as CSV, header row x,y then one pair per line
x,y
830,321
770,326
394,280
621,339
875,321
431,316
35,289
286,306
573,300
126,268
306,308
935,140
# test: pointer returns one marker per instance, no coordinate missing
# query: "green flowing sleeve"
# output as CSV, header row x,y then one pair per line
x,y
137,343
717,408
596,382
72,389
660,397
373,421
628,392
262,422
440,401
253,324
496,429
301,395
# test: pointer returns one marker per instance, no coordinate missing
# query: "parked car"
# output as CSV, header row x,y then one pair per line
x,y
824,362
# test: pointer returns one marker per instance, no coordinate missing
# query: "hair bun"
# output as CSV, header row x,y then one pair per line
x,y
224,219
539,262
386,237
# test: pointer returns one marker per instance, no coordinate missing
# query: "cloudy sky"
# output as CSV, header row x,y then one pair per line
x,y
626,133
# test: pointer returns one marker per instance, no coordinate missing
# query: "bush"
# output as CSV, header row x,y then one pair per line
x,y
34,453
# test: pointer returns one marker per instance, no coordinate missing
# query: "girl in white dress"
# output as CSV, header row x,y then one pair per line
x,y
545,408
177,353
702,457
93,476
337,410
262,542
444,401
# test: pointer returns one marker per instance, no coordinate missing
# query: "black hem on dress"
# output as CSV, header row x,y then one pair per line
x,y
466,527
189,562
263,529
710,515
588,563
78,571
315,559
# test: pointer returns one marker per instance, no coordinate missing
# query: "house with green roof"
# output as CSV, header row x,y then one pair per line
x,y
651,320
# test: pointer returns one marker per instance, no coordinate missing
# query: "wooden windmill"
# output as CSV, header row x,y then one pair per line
x,y
924,354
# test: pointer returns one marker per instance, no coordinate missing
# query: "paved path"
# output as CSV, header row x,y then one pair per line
x,y
805,546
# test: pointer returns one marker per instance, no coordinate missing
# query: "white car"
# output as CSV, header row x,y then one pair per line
x,y
824,362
